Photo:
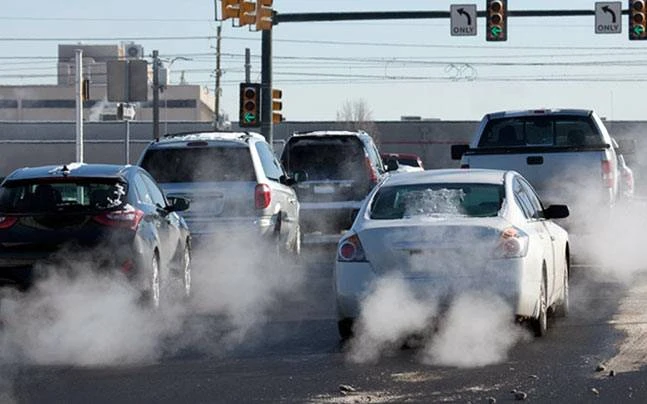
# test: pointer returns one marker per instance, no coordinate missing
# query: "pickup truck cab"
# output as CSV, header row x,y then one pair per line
x,y
566,154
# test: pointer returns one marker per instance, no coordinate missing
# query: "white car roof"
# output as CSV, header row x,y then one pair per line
x,y
474,175
212,136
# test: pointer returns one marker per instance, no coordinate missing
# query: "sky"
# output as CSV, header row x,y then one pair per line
x,y
397,67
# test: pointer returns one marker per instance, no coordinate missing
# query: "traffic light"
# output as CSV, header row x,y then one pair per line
x,y
246,16
637,19
264,15
277,105
250,105
229,9
497,20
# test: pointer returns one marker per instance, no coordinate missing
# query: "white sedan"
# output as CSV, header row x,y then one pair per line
x,y
454,230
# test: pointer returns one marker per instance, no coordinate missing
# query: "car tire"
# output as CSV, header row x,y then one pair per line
x,y
345,328
562,308
152,283
539,325
296,245
185,267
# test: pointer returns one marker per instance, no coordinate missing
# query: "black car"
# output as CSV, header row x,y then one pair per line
x,y
111,215
336,170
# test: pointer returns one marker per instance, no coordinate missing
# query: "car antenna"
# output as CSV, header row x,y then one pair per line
x,y
65,171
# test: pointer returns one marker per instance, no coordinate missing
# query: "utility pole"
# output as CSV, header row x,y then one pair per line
x,y
266,85
79,104
156,96
248,66
217,119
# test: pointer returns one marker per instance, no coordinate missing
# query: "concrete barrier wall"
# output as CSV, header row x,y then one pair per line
x,y
38,143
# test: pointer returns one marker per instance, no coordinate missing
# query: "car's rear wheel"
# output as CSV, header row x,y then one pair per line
x,y
152,283
345,328
539,325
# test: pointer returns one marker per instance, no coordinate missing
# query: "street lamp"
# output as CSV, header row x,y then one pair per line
x,y
168,80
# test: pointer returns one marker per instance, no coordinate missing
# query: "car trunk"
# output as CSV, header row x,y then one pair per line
x,y
431,247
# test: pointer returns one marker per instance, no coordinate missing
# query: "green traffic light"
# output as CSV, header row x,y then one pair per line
x,y
249,117
495,31
638,29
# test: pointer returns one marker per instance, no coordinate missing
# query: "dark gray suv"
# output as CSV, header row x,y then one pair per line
x,y
235,183
337,170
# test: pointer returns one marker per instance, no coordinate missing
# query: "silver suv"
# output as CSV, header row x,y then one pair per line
x,y
235,183
337,169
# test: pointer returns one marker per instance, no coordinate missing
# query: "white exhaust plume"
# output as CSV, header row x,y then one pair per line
x,y
79,316
388,316
476,331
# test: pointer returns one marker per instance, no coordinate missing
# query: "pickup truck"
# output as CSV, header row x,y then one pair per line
x,y
566,154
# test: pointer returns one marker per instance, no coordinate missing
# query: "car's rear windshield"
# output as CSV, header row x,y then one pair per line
x,y
69,195
438,200
199,164
545,130
326,158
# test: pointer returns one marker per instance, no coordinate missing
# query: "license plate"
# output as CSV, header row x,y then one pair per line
x,y
324,189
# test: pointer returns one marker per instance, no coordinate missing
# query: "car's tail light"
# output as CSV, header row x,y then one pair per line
x,y
350,249
7,221
262,196
607,173
125,218
513,243
372,174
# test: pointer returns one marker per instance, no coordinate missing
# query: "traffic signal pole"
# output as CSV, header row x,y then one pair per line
x,y
267,127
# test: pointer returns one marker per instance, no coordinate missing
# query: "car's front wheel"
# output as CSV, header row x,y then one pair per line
x,y
186,269
562,308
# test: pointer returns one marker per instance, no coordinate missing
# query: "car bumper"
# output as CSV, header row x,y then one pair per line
x,y
331,218
23,269
507,278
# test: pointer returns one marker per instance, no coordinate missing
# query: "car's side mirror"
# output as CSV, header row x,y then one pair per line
x,y
300,176
177,204
626,146
392,165
458,150
556,212
285,180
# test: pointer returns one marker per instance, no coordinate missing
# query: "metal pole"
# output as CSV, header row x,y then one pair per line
x,y
217,118
127,148
79,105
156,96
248,65
266,86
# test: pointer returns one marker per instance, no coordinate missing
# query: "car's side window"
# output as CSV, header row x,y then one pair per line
x,y
143,195
271,165
155,194
533,199
522,199
375,158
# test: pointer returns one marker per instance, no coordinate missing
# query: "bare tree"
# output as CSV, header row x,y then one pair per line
x,y
357,115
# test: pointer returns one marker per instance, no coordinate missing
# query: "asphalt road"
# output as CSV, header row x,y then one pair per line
x,y
293,354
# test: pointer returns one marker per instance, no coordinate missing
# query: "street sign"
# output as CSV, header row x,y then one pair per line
x,y
608,17
463,19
